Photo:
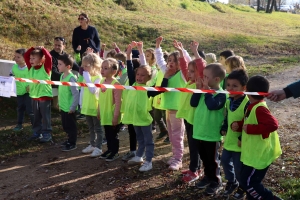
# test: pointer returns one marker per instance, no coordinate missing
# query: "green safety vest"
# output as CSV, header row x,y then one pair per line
x,y
257,152
40,90
124,95
90,101
170,100
185,110
20,86
231,139
160,77
207,123
137,108
107,108
65,97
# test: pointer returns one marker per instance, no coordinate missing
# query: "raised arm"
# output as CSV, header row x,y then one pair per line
x,y
159,56
48,61
27,57
141,53
185,53
130,72
182,61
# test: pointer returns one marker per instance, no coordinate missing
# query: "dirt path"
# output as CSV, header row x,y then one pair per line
x,y
52,174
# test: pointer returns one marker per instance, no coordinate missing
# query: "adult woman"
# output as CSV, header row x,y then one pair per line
x,y
85,36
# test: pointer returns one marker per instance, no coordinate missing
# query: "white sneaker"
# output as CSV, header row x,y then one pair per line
x,y
146,166
128,155
96,153
135,160
88,149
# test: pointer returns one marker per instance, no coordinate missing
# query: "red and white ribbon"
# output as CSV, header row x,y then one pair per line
x,y
144,88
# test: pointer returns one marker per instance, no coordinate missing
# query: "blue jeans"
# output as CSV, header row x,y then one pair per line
x,y
24,104
232,165
251,179
144,138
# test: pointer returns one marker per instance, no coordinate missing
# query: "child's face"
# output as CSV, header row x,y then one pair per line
x,y
191,73
149,57
172,62
19,58
236,86
35,60
86,66
142,76
222,60
62,67
106,71
228,70
208,75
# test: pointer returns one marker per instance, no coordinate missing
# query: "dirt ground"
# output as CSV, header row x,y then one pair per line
x,y
50,173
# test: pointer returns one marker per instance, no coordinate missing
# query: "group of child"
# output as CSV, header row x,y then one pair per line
x,y
251,142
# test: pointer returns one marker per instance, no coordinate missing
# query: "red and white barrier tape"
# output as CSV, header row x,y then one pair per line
x,y
144,88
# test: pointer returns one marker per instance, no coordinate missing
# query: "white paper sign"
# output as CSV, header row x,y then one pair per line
x,y
7,86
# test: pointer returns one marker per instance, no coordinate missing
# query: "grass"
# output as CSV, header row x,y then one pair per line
x,y
216,26
291,187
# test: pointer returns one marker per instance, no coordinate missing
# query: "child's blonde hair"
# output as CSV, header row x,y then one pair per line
x,y
235,62
147,68
112,63
95,62
210,58
153,60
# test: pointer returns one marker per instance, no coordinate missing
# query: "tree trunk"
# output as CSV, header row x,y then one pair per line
x,y
275,5
272,6
258,5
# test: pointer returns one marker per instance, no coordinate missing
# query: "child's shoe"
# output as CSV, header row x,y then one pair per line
x,y
175,165
64,143
239,194
213,188
135,160
46,137
112,156
104,141
169,162
146,166
203,183
88,149
128,155
96,153
69,147
35,136
19,127
190,177
230,188
105,154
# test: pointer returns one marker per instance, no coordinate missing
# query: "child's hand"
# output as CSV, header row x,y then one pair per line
x,y
239,143
71,111
98,115
39,47
139,45
115,46
194,46
205,84
133,44
27,88
199,83
89,50
170,72
245,128
177,46
115,121
181,45
129,52
158,41
235,126
78,48
103,46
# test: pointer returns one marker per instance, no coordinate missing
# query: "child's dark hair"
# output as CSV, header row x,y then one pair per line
x,y
176,56
121,56
111,54
217,70
258,84
240,75
66,59
201,54
166,55
37,52
20,51
136,63
227,53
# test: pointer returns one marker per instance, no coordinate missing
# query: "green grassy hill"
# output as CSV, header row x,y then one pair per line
x,y
24,23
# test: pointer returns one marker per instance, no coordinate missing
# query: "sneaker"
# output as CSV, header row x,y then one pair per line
x,y
80,117
146,166
96,153
19,127
64,143
153,130
169,162
161,135
135,160
203,183
105,154
190,177
175,165
112,157
144,156
123,128
239,194
69,147
46,137
230,188
88,149
213,188
104,141
128,155
167,140
35,136
187,170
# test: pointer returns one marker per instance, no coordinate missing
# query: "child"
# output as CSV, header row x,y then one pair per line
x,y
39,63
109,109
185,111
91,64
233,63
121,75
208,118
170,102
224,55
136,112
210,58
20,70
111,53
68,99
260,141
236,106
